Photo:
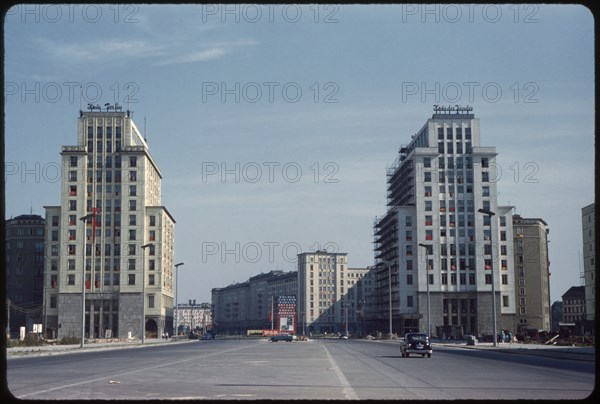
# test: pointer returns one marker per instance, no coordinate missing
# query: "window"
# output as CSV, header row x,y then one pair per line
x,y
151,280
72,175
132,161
71,264
505,301
151,301
131,279
485,176
409,301
71,279
131,264
427,162
132,220
132,205
505,279
132,235
132,175
408,221
152,220
131,249
132,190
73,205
428,206
444,279
488,279
409,279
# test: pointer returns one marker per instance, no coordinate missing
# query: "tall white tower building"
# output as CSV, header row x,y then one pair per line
x,y
443,254
111,226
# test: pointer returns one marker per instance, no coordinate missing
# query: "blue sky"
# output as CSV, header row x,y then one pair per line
x,y
273,125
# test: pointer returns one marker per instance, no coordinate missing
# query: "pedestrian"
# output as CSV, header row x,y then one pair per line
x,y
510,337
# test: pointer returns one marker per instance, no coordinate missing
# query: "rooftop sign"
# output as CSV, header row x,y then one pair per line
x,y
456,109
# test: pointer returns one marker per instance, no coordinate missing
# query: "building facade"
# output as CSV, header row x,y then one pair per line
x,y
192,316
532,275
574,305
111,226
24,269
588,220
251,305
442,252
331,296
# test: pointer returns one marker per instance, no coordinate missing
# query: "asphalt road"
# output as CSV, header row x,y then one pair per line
x,y
323,369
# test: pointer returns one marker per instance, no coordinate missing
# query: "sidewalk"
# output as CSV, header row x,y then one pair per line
x,y
88,346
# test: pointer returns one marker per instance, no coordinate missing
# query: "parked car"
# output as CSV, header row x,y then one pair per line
x,y
417,343
208,335
282,337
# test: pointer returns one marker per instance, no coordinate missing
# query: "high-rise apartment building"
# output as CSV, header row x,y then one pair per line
x,y
24,269
331,296
588,220
532,275
111,226
444,255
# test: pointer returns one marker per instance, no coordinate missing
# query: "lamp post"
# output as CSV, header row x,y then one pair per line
x,y
144,291
192,303
176,296
489,214
427,279
389,265
83,219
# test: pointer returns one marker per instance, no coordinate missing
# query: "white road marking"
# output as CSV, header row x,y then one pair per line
x,y
347,388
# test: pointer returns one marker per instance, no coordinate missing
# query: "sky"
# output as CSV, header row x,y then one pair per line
x,y
273,125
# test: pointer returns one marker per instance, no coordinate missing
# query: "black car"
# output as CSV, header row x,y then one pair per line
x,y
416,343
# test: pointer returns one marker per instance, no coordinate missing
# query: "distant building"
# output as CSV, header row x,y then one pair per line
x,y
251,305
110,238
193,316
532,274
24,272
588,220
557,315
574,304
331,296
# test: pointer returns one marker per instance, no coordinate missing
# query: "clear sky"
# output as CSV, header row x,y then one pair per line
x,y
273,125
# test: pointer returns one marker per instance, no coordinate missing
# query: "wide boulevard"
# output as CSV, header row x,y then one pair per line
x,y
317,369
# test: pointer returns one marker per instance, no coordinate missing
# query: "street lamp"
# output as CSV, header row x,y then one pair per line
x,y
83,220
144,292
427,279
176,296
192,303
489,213
389,265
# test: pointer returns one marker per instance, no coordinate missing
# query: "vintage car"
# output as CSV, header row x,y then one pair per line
x,y
415,343
282,337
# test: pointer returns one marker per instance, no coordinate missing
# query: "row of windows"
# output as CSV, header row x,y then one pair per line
x,y
458,131
109,264
132,220
461,278
116,281
486,221
104,175
106,162
101,130
428,192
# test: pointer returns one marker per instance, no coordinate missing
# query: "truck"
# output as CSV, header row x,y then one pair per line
x,y
415,343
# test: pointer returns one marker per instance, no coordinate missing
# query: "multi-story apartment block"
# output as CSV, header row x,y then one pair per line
x,y
442,252
24,269
331,296
252,304
574,304
588,220
532,274
192,316
111,226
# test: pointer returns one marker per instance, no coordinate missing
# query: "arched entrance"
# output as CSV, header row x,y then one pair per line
x,y
151,329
